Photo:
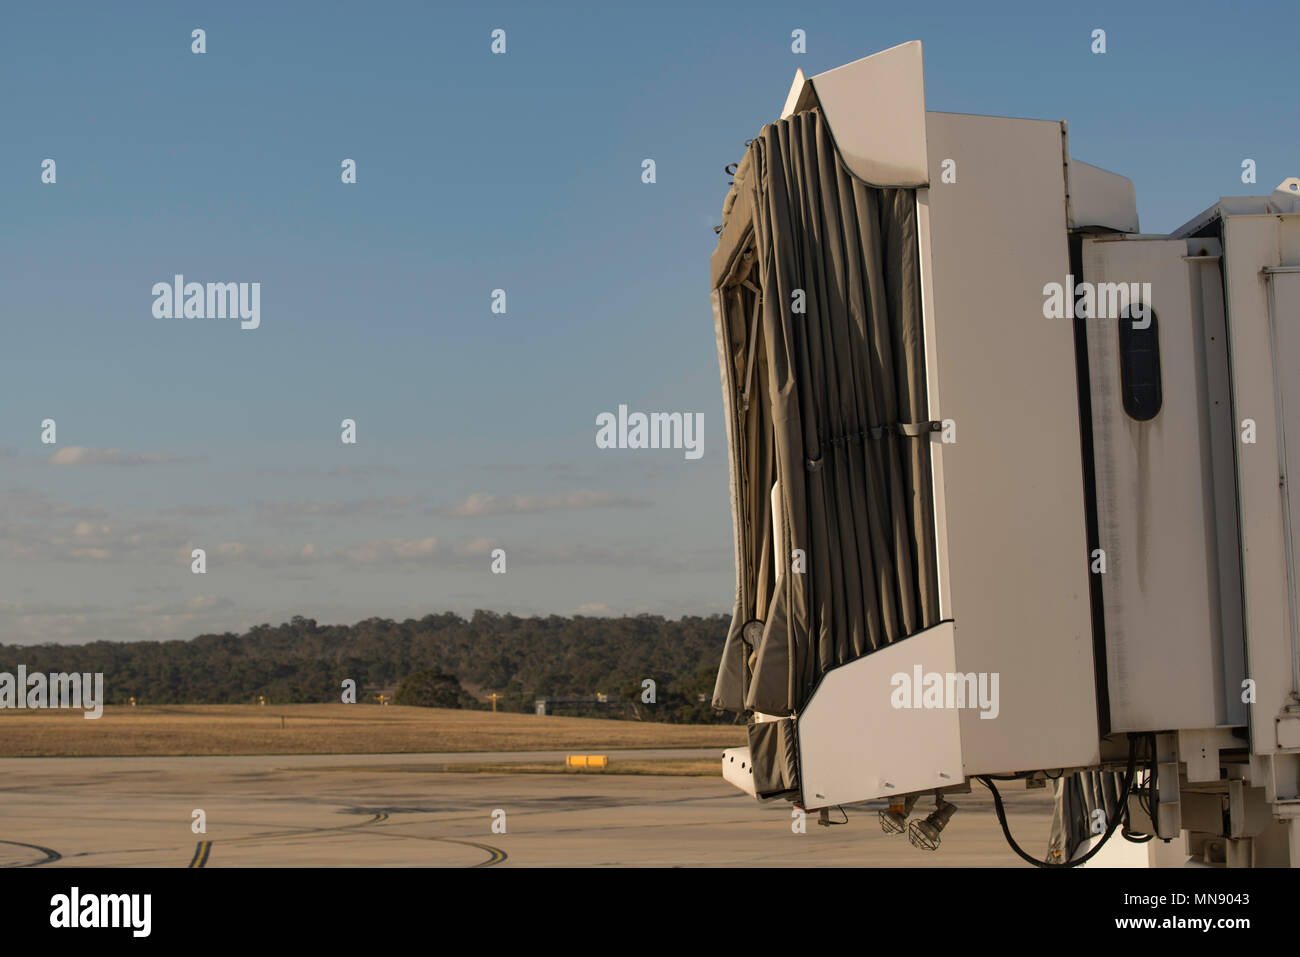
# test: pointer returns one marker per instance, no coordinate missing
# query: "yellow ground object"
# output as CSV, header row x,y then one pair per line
x,y
586,761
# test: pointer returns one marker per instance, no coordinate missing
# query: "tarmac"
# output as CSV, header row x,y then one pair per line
x,y
402,810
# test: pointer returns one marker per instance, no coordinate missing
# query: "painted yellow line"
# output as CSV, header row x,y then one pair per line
x,y
201,853
497,855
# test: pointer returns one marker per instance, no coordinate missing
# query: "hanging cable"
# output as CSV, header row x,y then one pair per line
x,y
1123,802
1143,787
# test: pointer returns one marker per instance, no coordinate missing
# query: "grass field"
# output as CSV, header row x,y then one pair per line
x,y
669,767
329,729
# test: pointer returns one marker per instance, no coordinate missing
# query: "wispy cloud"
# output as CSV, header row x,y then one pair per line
x,y
300,511
197,511
389,551
90,540
345,471
81,455
32,505
31,622
479,505
466,553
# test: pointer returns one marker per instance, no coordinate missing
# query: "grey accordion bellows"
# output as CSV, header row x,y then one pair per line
x,y
818,315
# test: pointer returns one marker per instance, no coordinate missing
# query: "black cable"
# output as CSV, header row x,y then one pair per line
x,y
1126,829
1153,794
1144,784
1123,801
827,822
1148,797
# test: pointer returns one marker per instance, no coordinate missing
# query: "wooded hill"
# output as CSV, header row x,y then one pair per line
x,y
520,658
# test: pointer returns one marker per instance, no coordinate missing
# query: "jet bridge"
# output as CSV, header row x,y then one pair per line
x,y
1005,479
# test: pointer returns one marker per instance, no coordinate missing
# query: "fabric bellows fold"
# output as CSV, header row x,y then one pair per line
x,y
820,334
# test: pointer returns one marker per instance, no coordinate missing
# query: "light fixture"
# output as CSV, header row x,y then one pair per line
x,y
925,834
894,820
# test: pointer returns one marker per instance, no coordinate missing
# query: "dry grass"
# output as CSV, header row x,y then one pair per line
x,y
668,767
330,729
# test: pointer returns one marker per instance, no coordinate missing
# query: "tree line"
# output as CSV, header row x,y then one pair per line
x,y
520,659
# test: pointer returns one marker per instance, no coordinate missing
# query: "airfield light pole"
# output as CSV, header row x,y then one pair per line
x,y
493,698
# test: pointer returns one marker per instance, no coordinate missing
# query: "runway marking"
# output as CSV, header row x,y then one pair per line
x,y
204,848
201,853
49,858
305,831
497,855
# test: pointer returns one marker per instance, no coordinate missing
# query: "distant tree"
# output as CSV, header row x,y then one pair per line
x,y
691,699
430,689
304,660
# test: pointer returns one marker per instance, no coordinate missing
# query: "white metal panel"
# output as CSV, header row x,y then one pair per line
x,y
1101,198
1155,502
1284,317
795,100
934,401
1286,197
728,417
1117,853
876,111
738,769
1251,242
1206,258
1012,483
855,745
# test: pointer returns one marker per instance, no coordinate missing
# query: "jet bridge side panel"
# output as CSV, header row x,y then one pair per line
x,y
1017,562
1251,242
871,730
1155,490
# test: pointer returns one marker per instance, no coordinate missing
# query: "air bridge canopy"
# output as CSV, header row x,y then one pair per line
x,y
818,311
859,313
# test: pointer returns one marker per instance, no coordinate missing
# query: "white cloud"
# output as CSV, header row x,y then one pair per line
x,y
299,511
89,540
81,455
29,504
390,551
474,547
478,504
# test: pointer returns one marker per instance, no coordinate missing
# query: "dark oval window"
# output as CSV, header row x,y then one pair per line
x,y
1139,366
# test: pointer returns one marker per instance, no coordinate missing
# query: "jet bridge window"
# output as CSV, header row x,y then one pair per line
x,y
1139,366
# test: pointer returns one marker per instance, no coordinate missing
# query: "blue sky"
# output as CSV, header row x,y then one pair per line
x,y
475,172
